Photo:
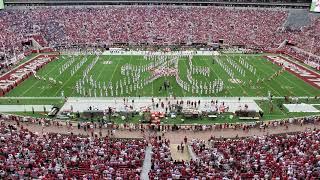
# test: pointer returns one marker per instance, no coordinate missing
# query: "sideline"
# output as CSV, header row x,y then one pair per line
x,y
175,137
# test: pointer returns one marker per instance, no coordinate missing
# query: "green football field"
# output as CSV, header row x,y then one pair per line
x,y
107,70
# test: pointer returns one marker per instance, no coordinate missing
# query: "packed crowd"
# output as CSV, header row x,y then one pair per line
x,y
26,155
140,24
258,28
269,157
285,157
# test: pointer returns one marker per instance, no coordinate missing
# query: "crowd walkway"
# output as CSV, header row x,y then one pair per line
x,y
146,164
175,137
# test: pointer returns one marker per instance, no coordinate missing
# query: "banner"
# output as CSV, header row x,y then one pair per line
x,y
1,4
315,6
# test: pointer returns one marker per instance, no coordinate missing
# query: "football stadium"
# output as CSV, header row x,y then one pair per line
x,y
157,89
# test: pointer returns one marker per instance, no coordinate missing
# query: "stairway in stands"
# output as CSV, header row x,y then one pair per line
x,y
146,164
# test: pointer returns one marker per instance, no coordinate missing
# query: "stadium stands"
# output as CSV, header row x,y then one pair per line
x,y
280,156
270,157
24,154
256,28
142,24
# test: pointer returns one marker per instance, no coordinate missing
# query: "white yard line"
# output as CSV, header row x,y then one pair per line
x,y
217,75
298,86
140,77
258,69
97,78
201,66
222,78
290,82
103,69
115,69
66,82
56,66
183,91
70,64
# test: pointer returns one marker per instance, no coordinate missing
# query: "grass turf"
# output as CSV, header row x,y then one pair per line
x,y
284,84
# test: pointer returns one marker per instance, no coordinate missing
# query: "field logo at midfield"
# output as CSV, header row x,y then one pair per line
x,y
301,72
235,81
